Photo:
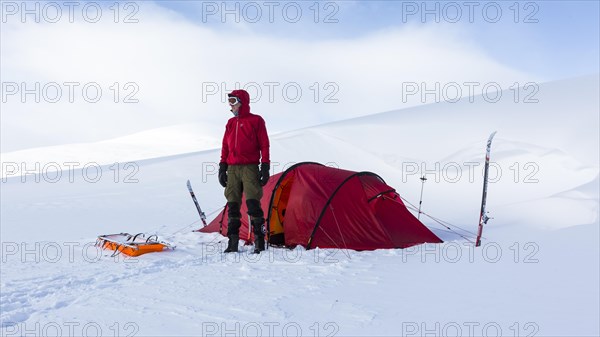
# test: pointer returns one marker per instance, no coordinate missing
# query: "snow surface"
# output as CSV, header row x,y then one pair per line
x,y
537,273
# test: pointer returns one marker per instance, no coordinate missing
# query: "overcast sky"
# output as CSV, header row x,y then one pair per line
x,y
553,39
305,63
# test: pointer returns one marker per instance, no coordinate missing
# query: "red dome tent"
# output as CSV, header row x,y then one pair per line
x,y
313,205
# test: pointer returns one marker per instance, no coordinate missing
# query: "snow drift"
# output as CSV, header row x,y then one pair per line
x,y
537,271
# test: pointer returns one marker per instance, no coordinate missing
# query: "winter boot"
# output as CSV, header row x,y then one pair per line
x,y
233,231
259,244
259,234
232,245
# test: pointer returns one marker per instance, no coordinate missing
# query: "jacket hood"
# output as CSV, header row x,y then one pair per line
x,y
244,97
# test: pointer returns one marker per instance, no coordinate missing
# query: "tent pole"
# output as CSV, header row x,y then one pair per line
x,y
249,227
221,222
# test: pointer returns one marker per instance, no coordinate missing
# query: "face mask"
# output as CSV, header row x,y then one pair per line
x,y
235,113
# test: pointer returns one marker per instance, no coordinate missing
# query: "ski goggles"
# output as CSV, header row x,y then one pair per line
x,y
233,100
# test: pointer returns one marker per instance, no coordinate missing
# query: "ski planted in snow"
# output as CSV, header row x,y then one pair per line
x,y
202,215
483,218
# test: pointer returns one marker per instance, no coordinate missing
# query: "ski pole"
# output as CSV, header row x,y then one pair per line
x,y
423,180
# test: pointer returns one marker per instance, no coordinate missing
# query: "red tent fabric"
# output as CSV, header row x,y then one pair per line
x,y
313,205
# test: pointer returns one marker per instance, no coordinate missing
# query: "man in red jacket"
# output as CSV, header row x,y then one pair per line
x,y
245,145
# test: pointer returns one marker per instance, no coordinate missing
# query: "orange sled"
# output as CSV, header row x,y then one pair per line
x,y
132,245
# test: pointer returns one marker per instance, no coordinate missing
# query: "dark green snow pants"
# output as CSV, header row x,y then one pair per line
x,y
244,179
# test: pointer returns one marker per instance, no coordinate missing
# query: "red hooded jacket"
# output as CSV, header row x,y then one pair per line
x,y
245,140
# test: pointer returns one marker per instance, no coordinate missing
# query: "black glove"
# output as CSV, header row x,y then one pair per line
x,y
223,174
263,175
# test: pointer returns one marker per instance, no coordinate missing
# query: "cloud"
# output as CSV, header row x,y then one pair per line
x,y
179,70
